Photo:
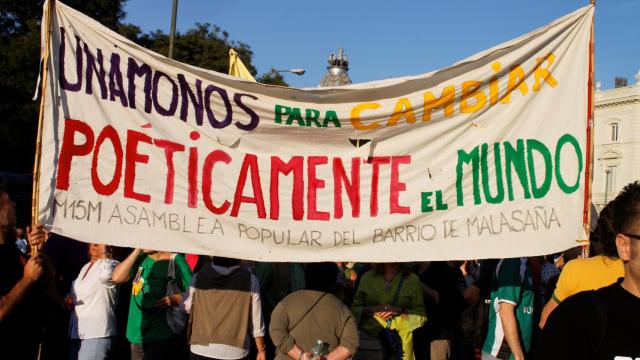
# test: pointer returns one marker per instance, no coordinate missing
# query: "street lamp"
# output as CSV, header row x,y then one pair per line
x,y
172,32
298,72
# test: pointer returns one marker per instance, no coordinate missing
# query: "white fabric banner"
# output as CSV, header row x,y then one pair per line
x,y
483,159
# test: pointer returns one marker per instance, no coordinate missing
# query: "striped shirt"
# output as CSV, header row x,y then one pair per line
x,y
513,284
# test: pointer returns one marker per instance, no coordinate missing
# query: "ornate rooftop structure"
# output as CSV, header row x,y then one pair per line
x,y
337,70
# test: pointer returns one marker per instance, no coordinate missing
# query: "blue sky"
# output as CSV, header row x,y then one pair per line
x,y
393,38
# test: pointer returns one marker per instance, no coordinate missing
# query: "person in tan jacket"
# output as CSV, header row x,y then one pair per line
x,y
307,316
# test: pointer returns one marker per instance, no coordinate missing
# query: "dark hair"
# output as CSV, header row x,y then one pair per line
x,y
604,234
108,249
572,253
618,217
226,262
119,253
321,276
550,258
626,207
403,268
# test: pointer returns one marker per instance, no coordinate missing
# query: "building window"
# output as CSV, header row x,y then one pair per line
x,y
609,182
614,132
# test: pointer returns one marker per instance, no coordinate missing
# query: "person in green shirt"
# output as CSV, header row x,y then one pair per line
x,y
147,328
278,280
375,309
511,315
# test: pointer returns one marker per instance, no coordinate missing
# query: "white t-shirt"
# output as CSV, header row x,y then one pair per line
x,y
95,298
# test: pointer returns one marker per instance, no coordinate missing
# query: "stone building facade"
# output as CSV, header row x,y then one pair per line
x,y
617,141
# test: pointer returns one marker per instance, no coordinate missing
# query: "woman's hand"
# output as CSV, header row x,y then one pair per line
x,y
168,301
373,309
386,311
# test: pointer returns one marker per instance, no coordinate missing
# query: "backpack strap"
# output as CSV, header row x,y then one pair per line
x,y
171,269
307,312
394,302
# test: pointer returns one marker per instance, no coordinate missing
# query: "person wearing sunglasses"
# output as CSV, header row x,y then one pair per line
x,y
603,323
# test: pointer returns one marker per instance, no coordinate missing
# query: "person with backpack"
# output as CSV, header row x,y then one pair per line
x,y
159,278
603,323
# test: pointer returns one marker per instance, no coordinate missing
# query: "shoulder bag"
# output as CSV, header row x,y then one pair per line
x,y
176,318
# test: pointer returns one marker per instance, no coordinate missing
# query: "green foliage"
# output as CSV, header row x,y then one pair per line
x,y
205,46
19,64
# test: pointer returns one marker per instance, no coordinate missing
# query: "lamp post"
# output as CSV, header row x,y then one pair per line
x,y
298,72
172,32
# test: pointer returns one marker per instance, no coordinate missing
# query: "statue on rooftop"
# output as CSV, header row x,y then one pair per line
x,y
337,70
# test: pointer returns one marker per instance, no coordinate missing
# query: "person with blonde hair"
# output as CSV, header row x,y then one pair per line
x,y
93,299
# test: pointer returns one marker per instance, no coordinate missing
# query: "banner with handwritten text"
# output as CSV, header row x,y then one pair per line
x,y
485,158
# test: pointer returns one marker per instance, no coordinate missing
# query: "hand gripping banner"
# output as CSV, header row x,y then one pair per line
x,y
485,158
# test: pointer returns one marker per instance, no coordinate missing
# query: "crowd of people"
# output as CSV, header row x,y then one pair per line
x,y
65,299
